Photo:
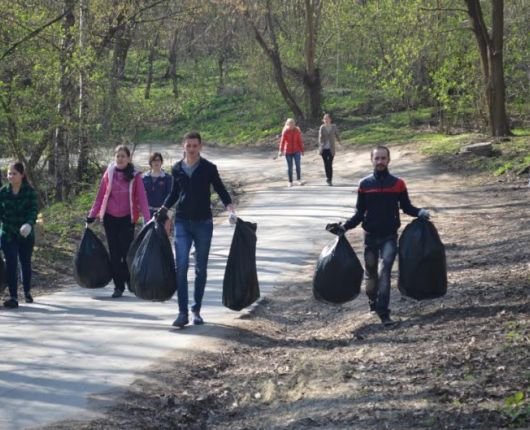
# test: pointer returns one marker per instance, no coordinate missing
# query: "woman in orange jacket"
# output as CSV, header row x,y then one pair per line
x,y
292,147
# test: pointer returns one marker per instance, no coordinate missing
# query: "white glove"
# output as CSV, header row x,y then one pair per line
x,y
232,218
424,213
25,230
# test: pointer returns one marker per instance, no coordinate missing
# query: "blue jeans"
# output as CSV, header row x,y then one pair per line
x,y
200,234
15,250
289,158
379,256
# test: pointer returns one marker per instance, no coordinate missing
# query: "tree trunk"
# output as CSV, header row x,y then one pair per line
x,y
492,63
499,118
122,43
274,56
172,69
150,60
311,81
65,108
83,143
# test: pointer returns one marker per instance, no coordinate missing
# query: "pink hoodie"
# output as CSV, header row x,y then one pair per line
x,y
119,197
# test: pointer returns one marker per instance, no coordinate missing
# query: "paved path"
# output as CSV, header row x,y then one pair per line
x,y
68,350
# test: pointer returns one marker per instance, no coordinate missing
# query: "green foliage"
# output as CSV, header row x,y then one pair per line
x,y
516,409
440,144
62,220
391,128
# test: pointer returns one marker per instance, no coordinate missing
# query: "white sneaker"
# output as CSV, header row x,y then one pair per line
x,y
300,182
290,184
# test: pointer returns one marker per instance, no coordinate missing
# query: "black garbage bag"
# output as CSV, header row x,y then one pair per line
x,y
240,283
92,262
151,264
339,273
133,248
422,264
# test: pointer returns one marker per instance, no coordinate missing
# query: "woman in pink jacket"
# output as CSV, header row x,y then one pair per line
x,y
292,147
120,200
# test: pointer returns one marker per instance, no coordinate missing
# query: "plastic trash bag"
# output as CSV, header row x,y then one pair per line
x,y
422,264
240,283
132,252
92,262
151,264
338,273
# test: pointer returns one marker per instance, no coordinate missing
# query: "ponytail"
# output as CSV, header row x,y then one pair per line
x,y
129,172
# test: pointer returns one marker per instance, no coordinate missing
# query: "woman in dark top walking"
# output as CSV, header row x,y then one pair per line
x,y
18,214
157,185
328,134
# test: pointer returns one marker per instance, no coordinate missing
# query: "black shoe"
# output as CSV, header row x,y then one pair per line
x,y
197,319
116,294
11,304
328,181
182,320
372,307
387,321
28,298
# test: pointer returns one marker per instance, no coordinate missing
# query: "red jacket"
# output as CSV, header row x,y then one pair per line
x,y
291,141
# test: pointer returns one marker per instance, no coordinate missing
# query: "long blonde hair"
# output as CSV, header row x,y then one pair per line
x,y
288,123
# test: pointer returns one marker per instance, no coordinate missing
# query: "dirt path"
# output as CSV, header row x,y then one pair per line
x,y
295,363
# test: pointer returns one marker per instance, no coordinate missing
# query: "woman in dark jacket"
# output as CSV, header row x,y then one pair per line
x,y
157,185
18,214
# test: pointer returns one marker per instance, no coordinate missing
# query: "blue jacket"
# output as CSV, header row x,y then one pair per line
x,y
192,195
379,198
157,189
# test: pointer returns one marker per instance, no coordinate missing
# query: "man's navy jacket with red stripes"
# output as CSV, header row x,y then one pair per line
x,y
379,198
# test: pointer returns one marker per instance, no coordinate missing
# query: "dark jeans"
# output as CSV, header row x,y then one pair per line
x,y
328,163
120,234
200,234
15,250
289,159
379,256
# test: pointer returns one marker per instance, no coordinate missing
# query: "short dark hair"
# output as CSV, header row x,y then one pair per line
x,y
193,135
154,156
380,147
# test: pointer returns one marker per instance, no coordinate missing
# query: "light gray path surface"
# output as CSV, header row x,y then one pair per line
x,y
62,352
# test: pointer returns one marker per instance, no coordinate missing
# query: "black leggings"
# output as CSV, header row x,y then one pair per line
x,y
120,234
327,156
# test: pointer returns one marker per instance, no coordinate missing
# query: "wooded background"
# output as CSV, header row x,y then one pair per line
x,y
78,75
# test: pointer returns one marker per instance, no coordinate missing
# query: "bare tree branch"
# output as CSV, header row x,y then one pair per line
x,y
32,34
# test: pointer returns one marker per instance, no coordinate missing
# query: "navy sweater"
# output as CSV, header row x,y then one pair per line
x,y
157,189
379,198
192,195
